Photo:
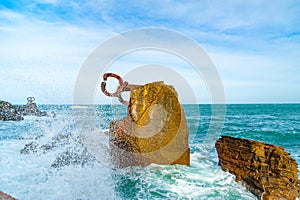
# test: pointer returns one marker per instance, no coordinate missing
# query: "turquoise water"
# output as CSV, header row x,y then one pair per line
x,y
32,176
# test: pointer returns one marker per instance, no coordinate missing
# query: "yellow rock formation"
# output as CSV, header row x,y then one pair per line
x,y
155,130
266,170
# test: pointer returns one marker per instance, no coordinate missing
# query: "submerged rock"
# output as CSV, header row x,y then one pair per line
x,y
31,147
73,151
9,112
264,169
56,141
73,157
155,130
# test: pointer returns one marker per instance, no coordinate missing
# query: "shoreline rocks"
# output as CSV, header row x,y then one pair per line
x,y
265,170
10,112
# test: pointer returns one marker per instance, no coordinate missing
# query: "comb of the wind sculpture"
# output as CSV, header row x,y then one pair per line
x,y
155,129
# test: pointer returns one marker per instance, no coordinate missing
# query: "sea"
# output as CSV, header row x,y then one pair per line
x,y
67,156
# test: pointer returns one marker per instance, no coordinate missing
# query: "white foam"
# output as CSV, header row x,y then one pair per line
x,y
30,176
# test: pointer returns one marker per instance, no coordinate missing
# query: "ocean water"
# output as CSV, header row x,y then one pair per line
x,y
88,174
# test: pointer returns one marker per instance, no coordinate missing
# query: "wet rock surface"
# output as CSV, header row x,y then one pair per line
x,y
4,196
74,152
10,112
57,141
73,157
155,130
264,169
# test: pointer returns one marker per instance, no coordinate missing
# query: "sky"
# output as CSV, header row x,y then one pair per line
x,y
255,45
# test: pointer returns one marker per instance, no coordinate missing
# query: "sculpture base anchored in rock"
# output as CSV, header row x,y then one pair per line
x,y
155,130
266,170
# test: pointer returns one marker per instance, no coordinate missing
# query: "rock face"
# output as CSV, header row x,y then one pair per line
x,y
9,112
155,130
266,170
74,151
4,196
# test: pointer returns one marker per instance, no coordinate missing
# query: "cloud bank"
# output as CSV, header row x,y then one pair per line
x,y
254,45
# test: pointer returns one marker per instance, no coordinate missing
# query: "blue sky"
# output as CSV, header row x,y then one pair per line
x,y
255,45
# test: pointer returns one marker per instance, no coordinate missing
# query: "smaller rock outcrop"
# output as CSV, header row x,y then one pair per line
x,y
264,169
4,196
31,108
9,112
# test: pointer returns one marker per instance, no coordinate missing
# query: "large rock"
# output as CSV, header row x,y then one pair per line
x,y
264,169
9,112
155,130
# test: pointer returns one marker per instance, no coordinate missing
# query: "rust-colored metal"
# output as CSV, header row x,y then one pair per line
x,y
123,86
103,84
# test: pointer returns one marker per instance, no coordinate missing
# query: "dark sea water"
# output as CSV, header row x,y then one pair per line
x,y
91,176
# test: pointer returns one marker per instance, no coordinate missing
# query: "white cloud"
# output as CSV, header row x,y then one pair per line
x,y
10,15
255,45
249,77
42,59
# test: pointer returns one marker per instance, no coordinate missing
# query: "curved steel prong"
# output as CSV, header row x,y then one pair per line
x,y
106,75
123,86
103,84
122,100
